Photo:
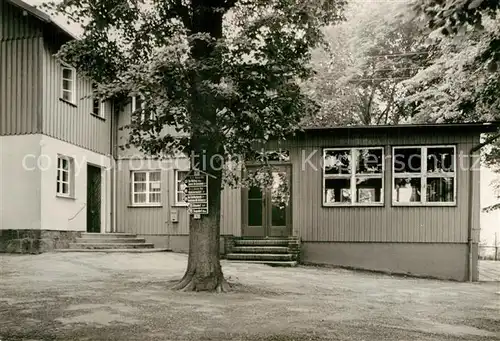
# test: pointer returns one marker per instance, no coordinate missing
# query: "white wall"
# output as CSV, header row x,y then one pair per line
x,y
69,214
490,222
19,182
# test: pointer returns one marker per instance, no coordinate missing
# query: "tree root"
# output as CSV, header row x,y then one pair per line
x,y
188,283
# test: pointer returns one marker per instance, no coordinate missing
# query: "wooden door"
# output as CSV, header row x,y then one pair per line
x,y
264,215
93,199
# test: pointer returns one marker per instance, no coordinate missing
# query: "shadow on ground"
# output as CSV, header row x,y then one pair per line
x,y
126,297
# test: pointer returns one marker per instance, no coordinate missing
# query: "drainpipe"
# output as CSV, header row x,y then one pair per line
x,y
471,189
113,168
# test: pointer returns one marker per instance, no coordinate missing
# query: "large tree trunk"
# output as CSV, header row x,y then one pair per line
x,y
204,271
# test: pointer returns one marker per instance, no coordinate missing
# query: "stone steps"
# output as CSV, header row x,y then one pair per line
x,y
260,249
260,256
261,242
269,262
270,251
110,242
111,246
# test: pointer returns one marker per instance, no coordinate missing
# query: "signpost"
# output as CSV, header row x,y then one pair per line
x,y
197,193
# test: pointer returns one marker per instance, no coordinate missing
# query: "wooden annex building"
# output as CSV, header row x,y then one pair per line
x,y
401,199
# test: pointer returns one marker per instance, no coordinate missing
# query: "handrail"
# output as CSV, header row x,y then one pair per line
x,y
77,213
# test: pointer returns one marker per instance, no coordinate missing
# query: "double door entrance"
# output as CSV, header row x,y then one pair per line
x,y
267,213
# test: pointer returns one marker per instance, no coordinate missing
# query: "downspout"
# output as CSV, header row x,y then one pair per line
x,y
113,168
471,195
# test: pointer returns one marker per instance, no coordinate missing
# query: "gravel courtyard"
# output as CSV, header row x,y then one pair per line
x,y
98,296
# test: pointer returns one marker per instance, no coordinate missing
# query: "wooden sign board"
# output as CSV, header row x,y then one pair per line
x,y
197,193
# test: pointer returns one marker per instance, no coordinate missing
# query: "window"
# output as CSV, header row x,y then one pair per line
x,y
64,176
146,188
68,84
353,176
424,175
138,104
98,107
180,186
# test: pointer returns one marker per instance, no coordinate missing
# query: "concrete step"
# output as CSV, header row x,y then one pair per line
x,y
111,246
115,250
270,262
260,249
87,235
110,240
259,257
261,242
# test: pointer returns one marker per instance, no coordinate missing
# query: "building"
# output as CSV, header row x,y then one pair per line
x,y
399,199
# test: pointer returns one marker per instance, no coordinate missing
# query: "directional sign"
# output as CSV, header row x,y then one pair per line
x,y
197,193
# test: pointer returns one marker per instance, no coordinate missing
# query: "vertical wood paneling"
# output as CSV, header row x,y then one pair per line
x,y
231,211
148,220
15,25
377,224
20,66
73,124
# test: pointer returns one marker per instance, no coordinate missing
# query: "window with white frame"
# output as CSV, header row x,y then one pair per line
x,y
98,108
138,104
64,176
68,84
180,187
146,188
424,175
353,176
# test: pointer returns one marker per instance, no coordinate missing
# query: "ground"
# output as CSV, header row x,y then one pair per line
x,y
489,270
97,296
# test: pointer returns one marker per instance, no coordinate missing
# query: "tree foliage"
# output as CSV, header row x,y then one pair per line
x,y
358,79
462,81
217,79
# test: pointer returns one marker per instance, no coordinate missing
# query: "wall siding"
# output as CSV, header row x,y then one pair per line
x,y
72,124
157,220
15,25
313,222
20,72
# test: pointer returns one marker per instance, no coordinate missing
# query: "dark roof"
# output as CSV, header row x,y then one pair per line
x,y
45,18
482,127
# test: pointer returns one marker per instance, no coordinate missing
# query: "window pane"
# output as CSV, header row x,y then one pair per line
x,y
369,161
368,190
154,197
440,189
154,176
65,164
96,107
139,187
337,161
67,73
154,186
278,215
66,85
58,185
254,193
181,197
440,159
65,176
407,160
254,212
140,198
65,188
66,95
337,191
139,176
407,190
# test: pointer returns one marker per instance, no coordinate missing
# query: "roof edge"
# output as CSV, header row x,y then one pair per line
x,y
478,126
42,16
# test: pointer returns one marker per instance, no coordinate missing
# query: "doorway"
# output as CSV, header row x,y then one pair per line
x,y
93,199
264,215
